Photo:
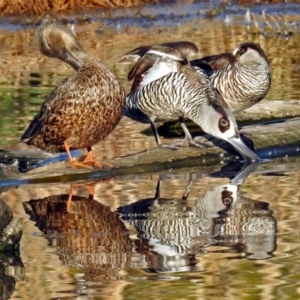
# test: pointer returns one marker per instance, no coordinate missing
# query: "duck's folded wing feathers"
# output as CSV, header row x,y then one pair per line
x,y
216,62
156,63
38,121
36,124
134,55
186,48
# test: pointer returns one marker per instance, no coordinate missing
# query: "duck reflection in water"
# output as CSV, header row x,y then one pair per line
x,y
171,232
89,236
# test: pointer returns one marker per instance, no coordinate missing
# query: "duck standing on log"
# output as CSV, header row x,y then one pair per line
x,y
84,108
166,87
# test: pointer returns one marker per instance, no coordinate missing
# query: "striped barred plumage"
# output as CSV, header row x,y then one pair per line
x,y
169,227
242,78
170,97
221,217
167,87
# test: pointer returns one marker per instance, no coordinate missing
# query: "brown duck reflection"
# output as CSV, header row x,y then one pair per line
x,y
171,232
88,236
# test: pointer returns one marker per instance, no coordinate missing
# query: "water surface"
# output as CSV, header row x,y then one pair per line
x,y
174,235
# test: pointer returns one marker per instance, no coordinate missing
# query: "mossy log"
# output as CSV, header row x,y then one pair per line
x,y
272,139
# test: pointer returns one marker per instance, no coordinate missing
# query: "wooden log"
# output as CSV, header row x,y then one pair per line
x,y
271,139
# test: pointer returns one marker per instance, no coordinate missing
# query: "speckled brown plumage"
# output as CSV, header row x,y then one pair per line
x,y
90,237
85,107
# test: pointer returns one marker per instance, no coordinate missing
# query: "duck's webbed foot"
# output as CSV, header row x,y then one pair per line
x,y
91,164
190,142
89,161
165,146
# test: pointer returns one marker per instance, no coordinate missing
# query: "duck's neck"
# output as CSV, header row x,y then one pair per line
x,y
75,57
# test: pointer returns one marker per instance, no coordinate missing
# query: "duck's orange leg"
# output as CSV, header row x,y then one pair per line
x,y
89,186
89,161
72,188
99,164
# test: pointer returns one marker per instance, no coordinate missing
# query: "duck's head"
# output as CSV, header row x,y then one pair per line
x,y
220,122
56,40
250,52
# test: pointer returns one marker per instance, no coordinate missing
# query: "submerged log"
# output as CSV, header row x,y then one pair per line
x,y
270,140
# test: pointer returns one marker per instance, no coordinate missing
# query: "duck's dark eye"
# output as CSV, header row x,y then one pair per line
x,y
227,197
224,122
223,125
227,201
242,51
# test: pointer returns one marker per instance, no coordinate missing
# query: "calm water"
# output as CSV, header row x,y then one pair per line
x,y
173,235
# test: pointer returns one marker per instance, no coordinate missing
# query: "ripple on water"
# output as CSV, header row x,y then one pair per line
x,y
203,239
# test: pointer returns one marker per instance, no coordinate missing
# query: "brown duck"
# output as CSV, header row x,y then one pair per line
x,y
84,108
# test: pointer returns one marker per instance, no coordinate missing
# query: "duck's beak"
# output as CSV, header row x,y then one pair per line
x,y
68,57
246,152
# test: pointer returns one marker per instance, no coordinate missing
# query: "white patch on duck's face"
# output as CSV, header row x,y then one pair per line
x,y
217,199
220,125
251,55
67,37
229,131
160,68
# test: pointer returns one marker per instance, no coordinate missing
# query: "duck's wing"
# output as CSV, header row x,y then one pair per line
x,y
154,64
134,55
216,62
35,126
186,48
38,121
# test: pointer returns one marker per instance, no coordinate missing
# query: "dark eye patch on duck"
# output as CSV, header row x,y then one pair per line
x,y
242,51
227,197
224,124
